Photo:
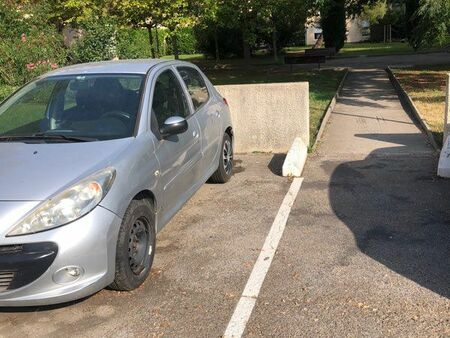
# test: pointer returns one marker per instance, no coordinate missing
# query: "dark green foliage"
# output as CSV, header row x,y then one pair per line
x,y
411,21
432,24
229,39
333,22
187,42
133,43
97,43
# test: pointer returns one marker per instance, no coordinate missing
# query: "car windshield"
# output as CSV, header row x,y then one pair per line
x,y
73,108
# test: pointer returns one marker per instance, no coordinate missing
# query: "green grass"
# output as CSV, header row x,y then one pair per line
x,y
426,87
322,85
186,57
372,49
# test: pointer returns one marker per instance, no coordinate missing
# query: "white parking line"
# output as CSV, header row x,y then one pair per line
x,y
246,303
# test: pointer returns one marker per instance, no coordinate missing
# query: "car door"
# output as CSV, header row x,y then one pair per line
x,y
179,155
207,113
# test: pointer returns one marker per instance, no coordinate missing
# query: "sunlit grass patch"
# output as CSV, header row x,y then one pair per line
x,y
426,87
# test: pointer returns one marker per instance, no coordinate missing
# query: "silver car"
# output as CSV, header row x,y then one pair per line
x,y
94,160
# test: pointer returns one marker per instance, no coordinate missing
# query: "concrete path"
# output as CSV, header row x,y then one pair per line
x,y
366,251
372,62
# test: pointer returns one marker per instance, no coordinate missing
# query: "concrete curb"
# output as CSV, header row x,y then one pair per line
x,y
408,102
295,159
327,115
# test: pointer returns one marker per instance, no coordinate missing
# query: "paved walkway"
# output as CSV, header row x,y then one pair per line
x,y
366,251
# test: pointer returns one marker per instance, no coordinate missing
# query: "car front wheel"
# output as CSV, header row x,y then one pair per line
x,y
225,169
135,246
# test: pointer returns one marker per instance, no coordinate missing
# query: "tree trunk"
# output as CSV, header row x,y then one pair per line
x,y
176,53
150,40
158,54
274,45
216,44
319,42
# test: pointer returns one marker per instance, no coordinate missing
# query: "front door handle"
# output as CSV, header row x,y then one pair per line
x,y
195,134
217,113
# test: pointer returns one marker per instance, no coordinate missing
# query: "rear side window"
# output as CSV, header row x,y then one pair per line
x,y
196,86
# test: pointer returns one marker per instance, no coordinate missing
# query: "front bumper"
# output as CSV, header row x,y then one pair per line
x,y
30,264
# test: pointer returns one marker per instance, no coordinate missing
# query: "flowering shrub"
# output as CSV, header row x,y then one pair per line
x,y
29,46
27,56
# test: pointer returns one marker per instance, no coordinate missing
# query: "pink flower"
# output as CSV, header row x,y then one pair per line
x,y
23,37
54,65
30,66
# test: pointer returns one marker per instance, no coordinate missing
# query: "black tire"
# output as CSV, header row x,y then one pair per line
x,y
225,169
136,238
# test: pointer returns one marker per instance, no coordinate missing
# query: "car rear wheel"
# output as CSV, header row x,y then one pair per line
x,y
135,246
225,169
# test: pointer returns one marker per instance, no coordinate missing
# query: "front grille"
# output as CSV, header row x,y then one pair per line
x,y
22,264
5,249
6,278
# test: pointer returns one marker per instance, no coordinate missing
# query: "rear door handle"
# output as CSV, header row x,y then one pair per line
x,y
195,134
218,113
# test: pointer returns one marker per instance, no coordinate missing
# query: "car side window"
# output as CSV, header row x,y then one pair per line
x,y
168,98
196,86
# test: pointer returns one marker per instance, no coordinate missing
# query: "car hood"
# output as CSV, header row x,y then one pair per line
x,y
34,172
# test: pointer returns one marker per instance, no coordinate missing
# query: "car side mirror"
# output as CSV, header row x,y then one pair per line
x,y
173,126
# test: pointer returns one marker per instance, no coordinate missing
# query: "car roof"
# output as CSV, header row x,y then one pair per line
x,y
109,67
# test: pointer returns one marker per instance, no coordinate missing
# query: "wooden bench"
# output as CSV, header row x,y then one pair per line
x,y
303,59
328,52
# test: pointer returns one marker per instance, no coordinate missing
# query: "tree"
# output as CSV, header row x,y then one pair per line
x,y
288,19
375,12
141,13
333,22
176,14
209,22
243,15
411,20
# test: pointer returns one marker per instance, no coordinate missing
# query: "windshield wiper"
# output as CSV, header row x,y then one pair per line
x,y
44,136
65,137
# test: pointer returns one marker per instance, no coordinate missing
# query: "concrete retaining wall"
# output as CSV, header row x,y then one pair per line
x,y
268,117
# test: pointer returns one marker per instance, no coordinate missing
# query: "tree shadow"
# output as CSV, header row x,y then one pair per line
x,y
397,209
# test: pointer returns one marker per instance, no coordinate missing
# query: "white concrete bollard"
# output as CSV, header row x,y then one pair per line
x,y
447,110
444,159
295,159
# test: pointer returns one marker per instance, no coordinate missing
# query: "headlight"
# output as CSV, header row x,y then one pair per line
x,y
67,206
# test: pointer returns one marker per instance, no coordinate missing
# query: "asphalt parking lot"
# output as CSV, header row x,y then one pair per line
x,y
365,250
204,257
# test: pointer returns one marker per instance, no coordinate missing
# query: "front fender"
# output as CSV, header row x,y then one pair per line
x,y
136,171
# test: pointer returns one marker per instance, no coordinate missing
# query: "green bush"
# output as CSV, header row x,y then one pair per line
x,y
133,44
98,42
5,91
187,41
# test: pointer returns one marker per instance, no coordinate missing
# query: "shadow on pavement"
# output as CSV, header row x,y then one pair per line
x,y
397,209
42,308
276,164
